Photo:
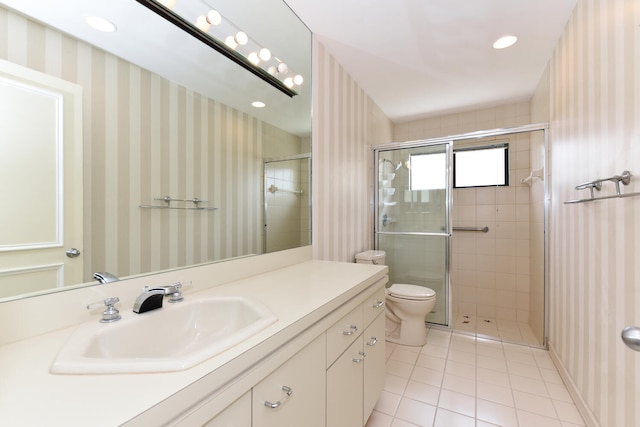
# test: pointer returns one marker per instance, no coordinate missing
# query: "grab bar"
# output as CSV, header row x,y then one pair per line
x,y
484,229
273,189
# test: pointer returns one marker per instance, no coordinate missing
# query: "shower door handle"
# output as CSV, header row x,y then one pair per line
x,y
631,337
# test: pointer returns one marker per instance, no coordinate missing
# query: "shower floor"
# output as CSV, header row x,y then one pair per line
x,y
505,330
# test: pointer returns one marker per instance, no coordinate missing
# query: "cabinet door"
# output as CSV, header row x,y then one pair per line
x,y
374,363
294,394
344,388
238,414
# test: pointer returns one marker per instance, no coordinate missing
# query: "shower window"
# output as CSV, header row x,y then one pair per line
x,y
481,166
428,171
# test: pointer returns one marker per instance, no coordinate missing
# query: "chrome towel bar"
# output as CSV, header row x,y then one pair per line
x,y
624,178
168,200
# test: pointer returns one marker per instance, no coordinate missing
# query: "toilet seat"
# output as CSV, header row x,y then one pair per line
x,y
411,292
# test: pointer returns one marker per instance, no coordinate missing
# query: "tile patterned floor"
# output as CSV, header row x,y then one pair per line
x,y
502,329
461,380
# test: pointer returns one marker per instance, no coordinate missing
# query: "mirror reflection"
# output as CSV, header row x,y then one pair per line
x,y
158,115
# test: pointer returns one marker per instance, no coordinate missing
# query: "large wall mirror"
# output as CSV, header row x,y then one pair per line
x,y
161,115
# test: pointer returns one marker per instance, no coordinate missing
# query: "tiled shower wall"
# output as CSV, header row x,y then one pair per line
x,y
287,210
490,271
287,215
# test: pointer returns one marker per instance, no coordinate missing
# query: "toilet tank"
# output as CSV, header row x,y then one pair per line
x,y
371,257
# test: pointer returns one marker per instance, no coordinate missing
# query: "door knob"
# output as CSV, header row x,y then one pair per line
x,y
73,253
631,337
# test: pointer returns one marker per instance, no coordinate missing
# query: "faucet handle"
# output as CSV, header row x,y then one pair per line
x,y
176,295
173,291
110,314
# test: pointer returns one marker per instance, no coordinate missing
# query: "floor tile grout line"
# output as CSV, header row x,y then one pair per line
x,y
504,350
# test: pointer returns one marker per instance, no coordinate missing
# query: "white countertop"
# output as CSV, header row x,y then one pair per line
x,y
299,295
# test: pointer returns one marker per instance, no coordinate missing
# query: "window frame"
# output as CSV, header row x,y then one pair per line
x,y
505,146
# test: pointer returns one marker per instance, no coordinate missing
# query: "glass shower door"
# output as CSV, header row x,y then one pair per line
x,y
413,218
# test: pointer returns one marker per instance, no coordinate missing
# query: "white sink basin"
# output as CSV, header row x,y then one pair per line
x,y
173,338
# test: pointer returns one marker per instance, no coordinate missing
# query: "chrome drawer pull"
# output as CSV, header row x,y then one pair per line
x,y
353,328
378,304
373,342
359,359
287,390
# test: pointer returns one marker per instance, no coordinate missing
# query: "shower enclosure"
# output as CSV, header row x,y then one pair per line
x,y
413,223
476,238
287,198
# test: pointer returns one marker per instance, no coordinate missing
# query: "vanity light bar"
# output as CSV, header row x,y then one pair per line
x,y
217,45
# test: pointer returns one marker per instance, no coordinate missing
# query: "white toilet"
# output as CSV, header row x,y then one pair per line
x,y
407,306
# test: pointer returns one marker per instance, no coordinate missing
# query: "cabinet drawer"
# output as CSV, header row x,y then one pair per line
x,y
343,333
374,305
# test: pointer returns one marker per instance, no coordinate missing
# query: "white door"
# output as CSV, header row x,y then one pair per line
x,y
40,181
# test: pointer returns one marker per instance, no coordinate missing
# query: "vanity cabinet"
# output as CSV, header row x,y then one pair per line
x,y
294,394
237,414
374,364
355,378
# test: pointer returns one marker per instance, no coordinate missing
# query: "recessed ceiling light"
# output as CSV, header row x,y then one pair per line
x,y
100,24
505,41
258,104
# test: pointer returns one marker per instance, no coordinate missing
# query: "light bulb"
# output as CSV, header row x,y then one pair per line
x,y
214,17
241,38
298,79
231,42
288,82
258,104
202,23
504,42
265,54
273,70
282,68
253,58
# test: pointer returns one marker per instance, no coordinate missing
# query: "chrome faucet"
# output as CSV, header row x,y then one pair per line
x,y
151,298
104,277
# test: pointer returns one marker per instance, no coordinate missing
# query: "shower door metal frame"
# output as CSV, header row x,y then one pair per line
x,y
544,127
448,143
265,162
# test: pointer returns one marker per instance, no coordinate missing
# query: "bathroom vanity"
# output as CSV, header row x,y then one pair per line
x,y
320,364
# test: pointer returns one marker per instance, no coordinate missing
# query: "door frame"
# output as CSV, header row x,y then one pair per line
x,y
448,143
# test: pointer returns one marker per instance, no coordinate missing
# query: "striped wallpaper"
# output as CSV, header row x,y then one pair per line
x,y
594,98
146,137
346,123
595,247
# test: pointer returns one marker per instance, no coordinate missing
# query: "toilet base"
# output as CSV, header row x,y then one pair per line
x,y
408,333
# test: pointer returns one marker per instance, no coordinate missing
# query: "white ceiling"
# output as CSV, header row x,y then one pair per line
x,y
420,58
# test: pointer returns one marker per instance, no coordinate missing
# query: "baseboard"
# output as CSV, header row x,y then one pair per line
x,y
588,417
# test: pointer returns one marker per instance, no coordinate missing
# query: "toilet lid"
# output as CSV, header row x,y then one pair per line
x,y
413,292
